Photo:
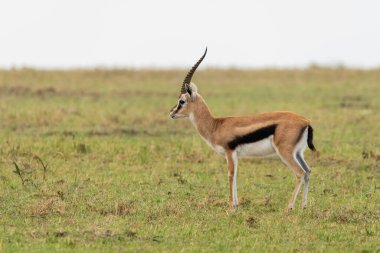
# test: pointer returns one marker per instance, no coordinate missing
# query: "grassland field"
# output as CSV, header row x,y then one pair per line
x,y
91,162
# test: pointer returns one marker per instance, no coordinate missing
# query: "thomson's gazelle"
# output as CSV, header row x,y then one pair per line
x,y
283,133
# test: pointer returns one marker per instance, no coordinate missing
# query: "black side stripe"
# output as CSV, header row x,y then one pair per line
x,y
255,136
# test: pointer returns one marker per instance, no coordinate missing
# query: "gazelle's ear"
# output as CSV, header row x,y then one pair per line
x,y
188,89
192,90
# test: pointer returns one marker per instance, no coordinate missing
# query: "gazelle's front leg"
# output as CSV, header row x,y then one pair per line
x,y
232,162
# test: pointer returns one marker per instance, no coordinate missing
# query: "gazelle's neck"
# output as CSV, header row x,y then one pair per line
x,y
202,118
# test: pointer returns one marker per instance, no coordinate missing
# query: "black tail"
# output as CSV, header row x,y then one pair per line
x,y
310,138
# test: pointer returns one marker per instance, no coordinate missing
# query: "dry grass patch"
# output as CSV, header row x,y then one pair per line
x,y
52,205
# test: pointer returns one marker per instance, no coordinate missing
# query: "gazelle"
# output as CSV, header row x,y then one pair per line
x,y
285,134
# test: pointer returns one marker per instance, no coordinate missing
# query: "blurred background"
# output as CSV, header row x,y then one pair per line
x,y
167,34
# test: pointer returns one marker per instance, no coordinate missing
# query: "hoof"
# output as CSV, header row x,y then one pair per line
x,y
289,209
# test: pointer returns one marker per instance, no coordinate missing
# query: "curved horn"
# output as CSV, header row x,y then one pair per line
x,y
191,72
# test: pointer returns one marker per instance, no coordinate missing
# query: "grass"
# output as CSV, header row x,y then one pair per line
x,y
90,161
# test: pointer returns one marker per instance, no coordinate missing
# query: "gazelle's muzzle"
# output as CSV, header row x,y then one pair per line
x,y
173,112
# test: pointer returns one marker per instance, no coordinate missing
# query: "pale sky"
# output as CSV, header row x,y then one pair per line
x,y
169,33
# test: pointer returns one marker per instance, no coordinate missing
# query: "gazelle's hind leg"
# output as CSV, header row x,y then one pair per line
x,y
302,162
298,154
288,158
292,156
286,149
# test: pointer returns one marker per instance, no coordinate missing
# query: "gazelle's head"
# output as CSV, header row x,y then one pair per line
x,y
188,95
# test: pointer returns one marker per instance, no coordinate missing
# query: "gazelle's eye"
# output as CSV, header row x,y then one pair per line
x,y
181,102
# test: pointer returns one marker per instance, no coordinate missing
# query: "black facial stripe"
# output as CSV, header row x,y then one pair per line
x,y
178,108
255,136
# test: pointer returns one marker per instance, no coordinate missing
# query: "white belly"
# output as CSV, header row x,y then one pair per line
x,y
260,148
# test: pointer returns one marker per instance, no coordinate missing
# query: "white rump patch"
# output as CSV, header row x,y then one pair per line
x,y
300,147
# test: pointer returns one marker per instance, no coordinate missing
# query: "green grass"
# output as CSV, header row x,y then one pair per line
x,y
121,176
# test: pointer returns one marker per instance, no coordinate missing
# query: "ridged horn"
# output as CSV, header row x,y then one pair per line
x,y
191,72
